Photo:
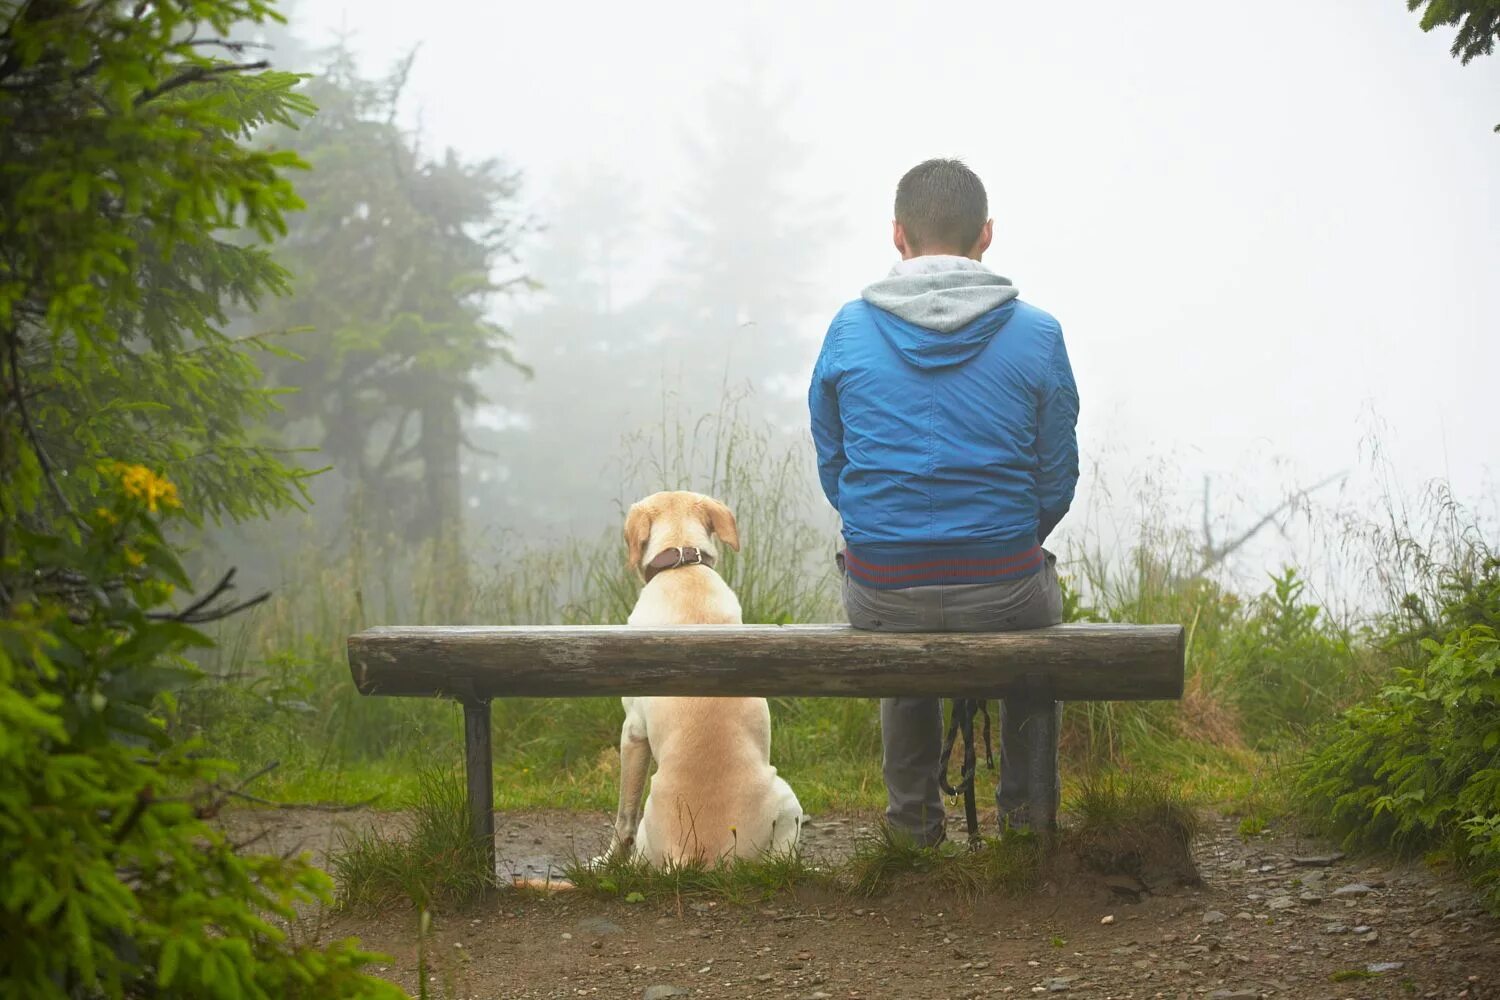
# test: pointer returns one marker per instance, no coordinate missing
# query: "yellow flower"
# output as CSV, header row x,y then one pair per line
x,y
140,483
133,557
105,515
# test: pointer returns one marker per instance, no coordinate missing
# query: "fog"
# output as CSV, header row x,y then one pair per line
x,y
1269,231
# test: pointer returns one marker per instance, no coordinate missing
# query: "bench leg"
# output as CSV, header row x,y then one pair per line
x,y
479,772
1041,733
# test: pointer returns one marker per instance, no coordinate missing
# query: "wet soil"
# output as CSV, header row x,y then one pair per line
x,y
1273,916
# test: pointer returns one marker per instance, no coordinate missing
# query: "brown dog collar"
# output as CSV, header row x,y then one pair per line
x,y
674,558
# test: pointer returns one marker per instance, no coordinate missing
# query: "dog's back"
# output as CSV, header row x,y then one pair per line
x,y
693,595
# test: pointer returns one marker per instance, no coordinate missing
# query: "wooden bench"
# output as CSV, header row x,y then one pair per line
x,y
1077,662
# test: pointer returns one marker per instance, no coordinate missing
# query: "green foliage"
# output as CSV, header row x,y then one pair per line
x,y
1478,23
123,175
1417,767
122,142
1287,667
1464,594
117,882
1251,826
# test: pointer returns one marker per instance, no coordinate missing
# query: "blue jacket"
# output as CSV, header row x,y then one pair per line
x,y
945,424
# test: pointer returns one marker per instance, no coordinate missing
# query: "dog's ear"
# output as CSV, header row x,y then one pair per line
x,y
721,523
637,534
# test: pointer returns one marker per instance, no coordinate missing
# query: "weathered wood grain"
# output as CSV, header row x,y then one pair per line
x,y
1077,662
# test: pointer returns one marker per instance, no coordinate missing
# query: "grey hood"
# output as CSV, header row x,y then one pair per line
x,y
940,292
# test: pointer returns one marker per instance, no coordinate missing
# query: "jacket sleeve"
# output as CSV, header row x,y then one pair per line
x,y
1056,441
827,426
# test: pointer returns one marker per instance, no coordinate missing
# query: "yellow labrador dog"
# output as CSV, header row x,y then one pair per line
x,y
715,793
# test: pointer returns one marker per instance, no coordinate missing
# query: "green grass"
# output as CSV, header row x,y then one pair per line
x,y
738,881
1118,824
434,862
1108,801
1133,824
1005,865
1236,785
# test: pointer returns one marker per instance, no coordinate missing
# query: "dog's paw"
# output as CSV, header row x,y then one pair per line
x,y
618,851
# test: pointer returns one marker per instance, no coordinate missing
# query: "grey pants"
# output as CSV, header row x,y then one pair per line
x,y
911,729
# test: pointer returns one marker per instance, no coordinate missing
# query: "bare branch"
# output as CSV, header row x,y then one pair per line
x,y
238,48
1214,555
199,612
316,806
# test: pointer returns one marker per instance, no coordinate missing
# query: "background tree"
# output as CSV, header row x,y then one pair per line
x,y
587,338
746,241
397,259
1478,23
642,333
125,179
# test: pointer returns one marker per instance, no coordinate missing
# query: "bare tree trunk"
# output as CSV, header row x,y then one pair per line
x,y
442,440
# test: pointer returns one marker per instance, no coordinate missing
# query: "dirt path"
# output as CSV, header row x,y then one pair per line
x,y
1261,925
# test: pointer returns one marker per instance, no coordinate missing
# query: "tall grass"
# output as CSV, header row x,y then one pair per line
x,y
434,862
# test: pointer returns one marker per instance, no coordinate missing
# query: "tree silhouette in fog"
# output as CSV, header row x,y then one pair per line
x,y
396,258
746,237
646,326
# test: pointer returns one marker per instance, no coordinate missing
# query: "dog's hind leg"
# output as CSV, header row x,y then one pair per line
x,y
635,761
643,841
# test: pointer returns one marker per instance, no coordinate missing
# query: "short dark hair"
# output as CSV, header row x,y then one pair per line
x,y
942,205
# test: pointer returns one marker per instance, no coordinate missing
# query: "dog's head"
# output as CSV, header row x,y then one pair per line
x,y
677,517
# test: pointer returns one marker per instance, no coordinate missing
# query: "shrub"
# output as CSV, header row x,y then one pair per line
x,y
117,882
1288,667
1417,767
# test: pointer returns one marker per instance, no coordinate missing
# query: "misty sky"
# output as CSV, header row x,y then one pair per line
x,y
1267,229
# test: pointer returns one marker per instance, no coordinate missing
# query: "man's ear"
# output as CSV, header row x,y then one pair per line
x,y
985,236
721,523
898,237
637,534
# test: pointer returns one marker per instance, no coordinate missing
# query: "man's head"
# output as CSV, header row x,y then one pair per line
x,y
941,208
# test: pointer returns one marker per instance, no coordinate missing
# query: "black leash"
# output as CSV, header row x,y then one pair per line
x,y
961,721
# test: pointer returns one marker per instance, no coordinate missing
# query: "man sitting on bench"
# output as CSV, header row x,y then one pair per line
x,y
944,414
